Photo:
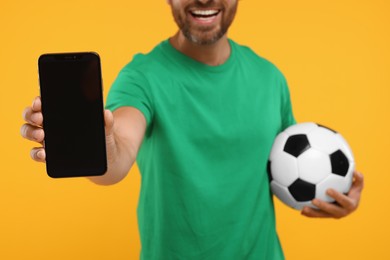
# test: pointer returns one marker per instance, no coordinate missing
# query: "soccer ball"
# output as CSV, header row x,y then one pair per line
x,y
307,159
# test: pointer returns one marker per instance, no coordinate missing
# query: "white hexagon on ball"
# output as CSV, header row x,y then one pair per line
x,y
324,140
314,166
283,194
333,181
284,168
300,205
278,145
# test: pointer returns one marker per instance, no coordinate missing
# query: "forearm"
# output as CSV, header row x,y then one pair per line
x,y
123,139
120,159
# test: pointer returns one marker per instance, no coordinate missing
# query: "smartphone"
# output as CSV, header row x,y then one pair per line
x,y
73,114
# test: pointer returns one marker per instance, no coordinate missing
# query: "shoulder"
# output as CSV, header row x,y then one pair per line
x,y
145,63
249,57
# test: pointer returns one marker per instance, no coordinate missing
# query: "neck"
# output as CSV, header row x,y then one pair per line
x,y
212,54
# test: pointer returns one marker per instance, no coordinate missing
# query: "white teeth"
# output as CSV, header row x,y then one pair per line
x,y
205,12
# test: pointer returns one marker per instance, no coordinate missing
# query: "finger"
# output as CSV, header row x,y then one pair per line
x,y
38,154
34,118
345,201
27,114
329,208
356,189
358,182
32,133
108,121
314,213
37,104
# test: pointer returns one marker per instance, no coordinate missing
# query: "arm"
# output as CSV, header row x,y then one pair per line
x,y
125,130
124,137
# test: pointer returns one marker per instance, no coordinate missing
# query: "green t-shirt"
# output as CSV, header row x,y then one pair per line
x,y
204,187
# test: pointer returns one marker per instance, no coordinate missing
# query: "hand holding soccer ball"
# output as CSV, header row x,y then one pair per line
x,y
306,160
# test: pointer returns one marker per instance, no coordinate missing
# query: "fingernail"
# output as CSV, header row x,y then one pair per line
x,y
330,192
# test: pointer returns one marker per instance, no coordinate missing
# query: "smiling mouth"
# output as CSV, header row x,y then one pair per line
x,y
204,15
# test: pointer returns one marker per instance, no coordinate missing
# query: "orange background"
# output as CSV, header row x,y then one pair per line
x,y
334,54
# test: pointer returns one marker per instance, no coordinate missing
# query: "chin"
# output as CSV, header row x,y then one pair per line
x,y
203,39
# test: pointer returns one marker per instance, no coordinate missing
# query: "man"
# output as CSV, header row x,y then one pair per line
x,y
199,113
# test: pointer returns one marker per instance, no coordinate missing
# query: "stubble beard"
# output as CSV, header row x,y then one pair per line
x,y
205,35
202,36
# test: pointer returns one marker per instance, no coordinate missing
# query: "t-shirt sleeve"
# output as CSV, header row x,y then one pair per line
x,y
131,88
287,112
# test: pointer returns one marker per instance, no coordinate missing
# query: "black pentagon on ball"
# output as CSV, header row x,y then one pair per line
x,y
296,145
340,163
269,171
302,190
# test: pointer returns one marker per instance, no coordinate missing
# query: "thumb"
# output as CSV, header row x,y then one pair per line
x,y
110,139
108,121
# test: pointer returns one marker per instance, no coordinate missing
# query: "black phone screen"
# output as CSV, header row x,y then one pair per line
x,y
73,114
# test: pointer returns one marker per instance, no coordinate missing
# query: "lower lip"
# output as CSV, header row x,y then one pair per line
x,y
206,21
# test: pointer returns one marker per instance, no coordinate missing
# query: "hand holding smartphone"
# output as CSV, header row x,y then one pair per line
x,y
73,114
